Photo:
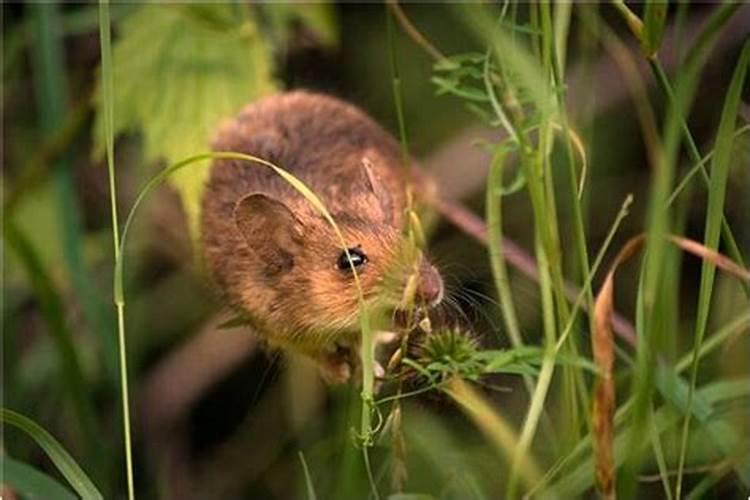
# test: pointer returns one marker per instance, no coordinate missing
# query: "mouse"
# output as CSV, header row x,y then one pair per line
x,y
277,261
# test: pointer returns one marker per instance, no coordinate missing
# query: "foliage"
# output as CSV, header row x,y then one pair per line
x,y
180,70
55,451
566,398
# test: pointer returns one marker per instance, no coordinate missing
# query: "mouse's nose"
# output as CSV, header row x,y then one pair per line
x,y
430,286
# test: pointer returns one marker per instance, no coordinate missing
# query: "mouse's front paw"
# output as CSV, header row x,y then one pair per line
x,y
336,366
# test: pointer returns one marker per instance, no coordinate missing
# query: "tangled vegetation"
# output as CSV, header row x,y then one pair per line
x,y
609,357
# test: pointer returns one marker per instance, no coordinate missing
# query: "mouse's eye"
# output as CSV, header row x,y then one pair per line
x,y
358,259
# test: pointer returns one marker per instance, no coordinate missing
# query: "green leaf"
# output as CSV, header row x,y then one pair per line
x,y
55,451
574,482
654,20
31,483
675,390
180,70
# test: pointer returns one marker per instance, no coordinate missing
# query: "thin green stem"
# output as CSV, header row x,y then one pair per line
x,y
536,406
719,338
494,233
714,219
714,341
695,157
700,166
659,454
556,68
108,103
497,262
308,479
631,19
594,268
396,82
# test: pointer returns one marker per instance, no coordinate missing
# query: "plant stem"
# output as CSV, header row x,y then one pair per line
x,y
108,103
714,220
695,157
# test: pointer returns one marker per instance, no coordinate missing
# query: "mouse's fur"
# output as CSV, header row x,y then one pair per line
x,y
270,252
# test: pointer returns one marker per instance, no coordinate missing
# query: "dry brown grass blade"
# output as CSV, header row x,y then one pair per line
x,y
721,261
413,32
602,343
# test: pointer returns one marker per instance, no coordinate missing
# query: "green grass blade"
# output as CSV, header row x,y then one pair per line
x,y
53,312
586,288
734,327
55,451
732,247
724,437
107,86
494,218
658,289
660,460
32,483
654,21
700,167
308,479
696,58
396,84
631,19
574,482
714,216
701,490
52,96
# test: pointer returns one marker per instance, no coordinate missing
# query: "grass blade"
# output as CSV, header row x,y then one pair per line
x,y
493,215
573,483
55,451
696,59
493,425
654,21
52,95
660,460
733,328
308,479
108,110
52,310
716,196
32,483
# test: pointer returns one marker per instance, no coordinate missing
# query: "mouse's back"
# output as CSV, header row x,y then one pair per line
x,y
319,139
269,250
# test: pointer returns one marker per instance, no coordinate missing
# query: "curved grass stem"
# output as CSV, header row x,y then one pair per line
x,y
108,103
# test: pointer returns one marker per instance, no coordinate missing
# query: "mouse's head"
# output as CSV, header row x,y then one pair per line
x,y
304,277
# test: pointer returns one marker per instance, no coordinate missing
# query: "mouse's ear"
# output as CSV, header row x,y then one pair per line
x,y
377,188
270,229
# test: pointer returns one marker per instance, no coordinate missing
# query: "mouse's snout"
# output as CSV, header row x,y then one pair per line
x,y
430,285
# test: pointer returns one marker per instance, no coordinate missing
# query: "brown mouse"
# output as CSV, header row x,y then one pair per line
x,y
276,258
